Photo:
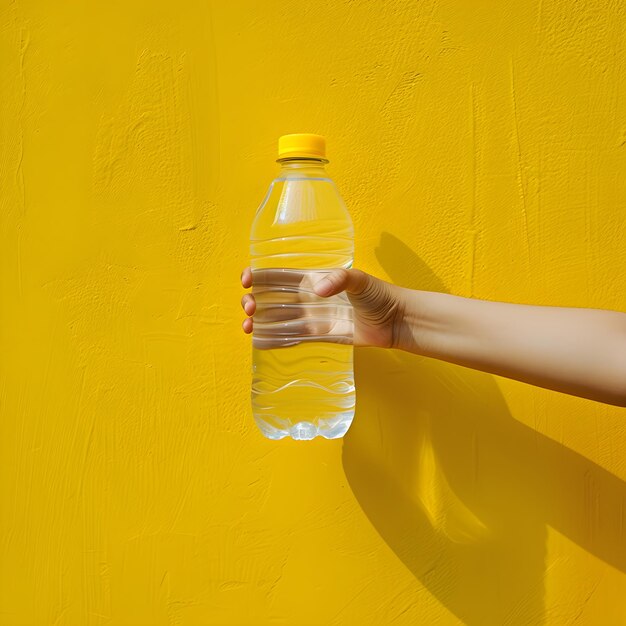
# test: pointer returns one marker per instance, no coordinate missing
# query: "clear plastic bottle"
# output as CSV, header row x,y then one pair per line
x,y
302,381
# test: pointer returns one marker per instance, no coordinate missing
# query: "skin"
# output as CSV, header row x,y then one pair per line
x,y
577,351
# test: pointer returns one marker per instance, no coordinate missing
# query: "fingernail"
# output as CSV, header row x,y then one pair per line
x,y
323,287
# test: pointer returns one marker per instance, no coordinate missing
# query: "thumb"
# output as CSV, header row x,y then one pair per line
x,y
353,281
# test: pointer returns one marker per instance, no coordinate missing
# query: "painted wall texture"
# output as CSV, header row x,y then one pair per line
x,y
481,148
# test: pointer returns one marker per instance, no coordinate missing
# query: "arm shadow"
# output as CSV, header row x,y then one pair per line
x,y
459,490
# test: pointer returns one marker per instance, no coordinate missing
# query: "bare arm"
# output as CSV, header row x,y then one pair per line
x,y
581,352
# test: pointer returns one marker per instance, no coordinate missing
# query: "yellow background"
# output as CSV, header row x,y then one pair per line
x,y
481,148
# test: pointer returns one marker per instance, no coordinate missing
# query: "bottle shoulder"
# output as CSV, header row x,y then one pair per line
x,y
294,199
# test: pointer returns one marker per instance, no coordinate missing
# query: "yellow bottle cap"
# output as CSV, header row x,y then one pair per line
x,y
302,145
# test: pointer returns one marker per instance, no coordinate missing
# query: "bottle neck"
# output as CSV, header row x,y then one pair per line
x,y
294,163
302,167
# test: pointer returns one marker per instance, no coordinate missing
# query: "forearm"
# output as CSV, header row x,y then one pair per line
x,y
577,351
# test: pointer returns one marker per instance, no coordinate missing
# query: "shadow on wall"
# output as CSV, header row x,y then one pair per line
x,y
459,490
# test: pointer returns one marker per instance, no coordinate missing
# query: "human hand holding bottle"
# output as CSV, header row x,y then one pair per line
x,y
377,305
577,351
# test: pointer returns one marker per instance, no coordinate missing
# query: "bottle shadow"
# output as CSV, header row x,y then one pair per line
x,y
459,490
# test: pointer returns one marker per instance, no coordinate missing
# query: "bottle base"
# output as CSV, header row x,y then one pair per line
x,y
334,428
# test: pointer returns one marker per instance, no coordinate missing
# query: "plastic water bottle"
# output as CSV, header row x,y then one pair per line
x,y
302,379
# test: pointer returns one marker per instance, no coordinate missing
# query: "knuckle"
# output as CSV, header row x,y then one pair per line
x,y
362,282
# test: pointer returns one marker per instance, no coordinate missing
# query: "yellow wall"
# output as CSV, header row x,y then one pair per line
x,y
481,148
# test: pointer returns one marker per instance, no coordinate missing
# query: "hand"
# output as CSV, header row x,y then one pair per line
x,y
378,305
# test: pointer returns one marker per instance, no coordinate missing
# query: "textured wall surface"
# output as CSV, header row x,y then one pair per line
x,y
481,148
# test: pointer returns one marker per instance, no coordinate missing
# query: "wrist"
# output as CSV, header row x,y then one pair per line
x,y
407,321
428,322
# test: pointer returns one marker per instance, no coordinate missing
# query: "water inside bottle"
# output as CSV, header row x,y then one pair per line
x,y
303,383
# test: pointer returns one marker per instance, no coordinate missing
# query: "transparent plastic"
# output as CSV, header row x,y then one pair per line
x,y
302,379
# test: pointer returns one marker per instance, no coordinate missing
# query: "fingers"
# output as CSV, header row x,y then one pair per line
x,y
290,306
246,278
353,281
248,304
279,277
